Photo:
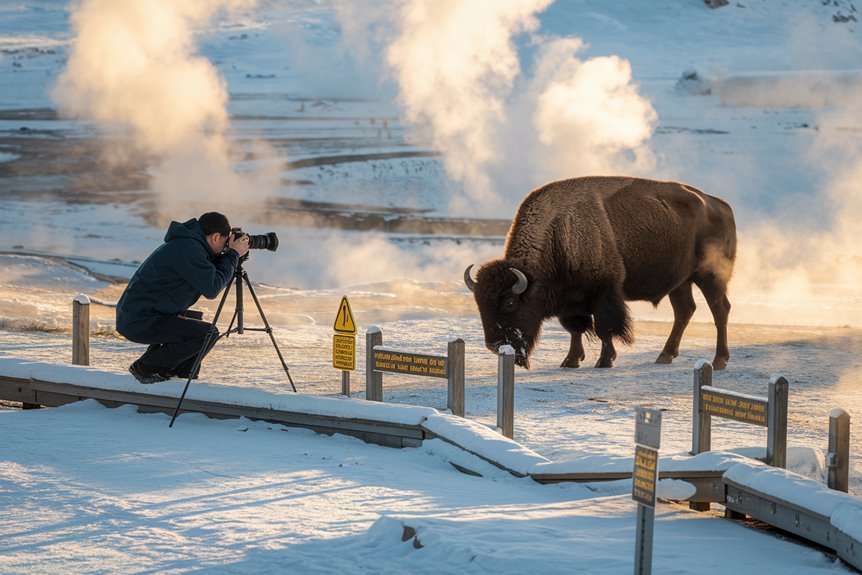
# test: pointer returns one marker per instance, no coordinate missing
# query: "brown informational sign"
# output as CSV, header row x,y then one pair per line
x,y
645,475
344,352
729,406
410,363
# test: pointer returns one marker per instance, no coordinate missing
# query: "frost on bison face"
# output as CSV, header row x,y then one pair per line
x,y
578,249
507,321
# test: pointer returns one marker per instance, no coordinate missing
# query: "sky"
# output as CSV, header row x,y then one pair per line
x,y
242,106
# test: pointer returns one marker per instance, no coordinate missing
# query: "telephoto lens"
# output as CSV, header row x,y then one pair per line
x,y
267,241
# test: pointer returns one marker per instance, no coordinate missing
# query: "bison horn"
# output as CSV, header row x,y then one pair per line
x,y
519,286
471,284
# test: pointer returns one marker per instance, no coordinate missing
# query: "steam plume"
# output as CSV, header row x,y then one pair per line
x,y
456,63
463,82
589,117
134,68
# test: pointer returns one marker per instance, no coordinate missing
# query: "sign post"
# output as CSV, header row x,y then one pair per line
x,y
644,478
344,344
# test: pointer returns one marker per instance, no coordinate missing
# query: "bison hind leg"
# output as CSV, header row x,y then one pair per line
x,y
714,289
682,301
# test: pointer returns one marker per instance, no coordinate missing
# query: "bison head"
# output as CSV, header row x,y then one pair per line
x,y
508,315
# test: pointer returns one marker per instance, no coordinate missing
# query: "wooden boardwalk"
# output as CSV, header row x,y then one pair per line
x,y
711,485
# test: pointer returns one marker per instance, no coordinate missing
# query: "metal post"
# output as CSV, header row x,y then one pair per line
x,y
701,429
345,383
643,546
506,392
81,330
838,456
373,379
776,421
455,377
644,483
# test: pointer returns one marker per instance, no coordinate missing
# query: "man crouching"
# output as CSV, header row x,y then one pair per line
x,y
199,257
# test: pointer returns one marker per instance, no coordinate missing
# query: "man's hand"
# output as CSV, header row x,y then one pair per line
x,y
240,245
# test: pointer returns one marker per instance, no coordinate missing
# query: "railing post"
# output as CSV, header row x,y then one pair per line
x,y
373,379
81,330
455,377
838,456
701,431
506,391
776,421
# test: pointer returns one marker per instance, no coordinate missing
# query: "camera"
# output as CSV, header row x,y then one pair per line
x,y
267,241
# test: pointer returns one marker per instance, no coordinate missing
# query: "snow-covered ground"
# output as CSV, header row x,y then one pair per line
x,y
318,109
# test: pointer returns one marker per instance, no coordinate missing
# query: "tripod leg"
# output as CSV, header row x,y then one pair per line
x,y
269,330
200,356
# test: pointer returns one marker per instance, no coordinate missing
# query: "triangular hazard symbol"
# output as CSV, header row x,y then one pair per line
x,y
344,320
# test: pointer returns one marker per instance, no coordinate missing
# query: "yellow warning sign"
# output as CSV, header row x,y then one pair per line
x,y
344,320
344,352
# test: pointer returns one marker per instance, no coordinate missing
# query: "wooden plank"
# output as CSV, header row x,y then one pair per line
x,y
81,330
709,484
581,476
849,550
779,513
373,379
730,405
701,430
409,363
838,453
394,434
14,389
506,394
776,439
455,377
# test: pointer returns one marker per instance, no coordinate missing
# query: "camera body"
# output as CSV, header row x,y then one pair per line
x,y
267,241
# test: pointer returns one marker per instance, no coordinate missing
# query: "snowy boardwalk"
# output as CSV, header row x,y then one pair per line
x,y
781,498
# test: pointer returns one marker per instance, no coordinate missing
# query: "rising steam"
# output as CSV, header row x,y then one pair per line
x,y
463,82
589,117
455,63
133,68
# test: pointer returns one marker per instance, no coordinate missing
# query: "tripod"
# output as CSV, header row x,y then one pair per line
x,y
239,277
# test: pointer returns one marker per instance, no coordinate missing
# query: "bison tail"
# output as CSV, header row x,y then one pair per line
x,y
626,333
612,319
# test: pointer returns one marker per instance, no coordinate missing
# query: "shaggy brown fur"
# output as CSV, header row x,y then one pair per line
x,y
586,245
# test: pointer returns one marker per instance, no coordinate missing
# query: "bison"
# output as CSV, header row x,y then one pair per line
x,y
577,249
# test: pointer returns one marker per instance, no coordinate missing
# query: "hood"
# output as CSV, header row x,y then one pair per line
x,y
190,229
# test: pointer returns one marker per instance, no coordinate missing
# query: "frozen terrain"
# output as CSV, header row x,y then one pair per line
x,y
316,127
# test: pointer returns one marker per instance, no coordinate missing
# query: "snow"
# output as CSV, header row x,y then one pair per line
x,y
119,491
789,487
88,489
484,442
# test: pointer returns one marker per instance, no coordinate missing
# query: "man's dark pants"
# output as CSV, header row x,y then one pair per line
x,y
175,342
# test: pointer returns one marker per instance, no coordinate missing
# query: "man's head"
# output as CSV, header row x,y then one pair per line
x,y
217,230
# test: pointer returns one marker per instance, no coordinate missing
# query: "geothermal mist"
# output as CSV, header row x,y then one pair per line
x,y
504,131
133,69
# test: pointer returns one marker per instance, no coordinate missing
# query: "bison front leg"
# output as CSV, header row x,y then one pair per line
x,y
683,308
576,352
576,326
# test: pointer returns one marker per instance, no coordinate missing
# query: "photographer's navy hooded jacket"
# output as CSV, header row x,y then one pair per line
x,y
172,279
